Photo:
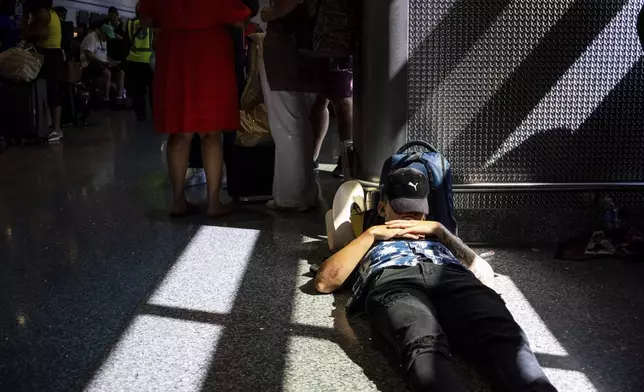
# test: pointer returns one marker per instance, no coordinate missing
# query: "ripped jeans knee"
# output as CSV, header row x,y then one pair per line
x,y
435,344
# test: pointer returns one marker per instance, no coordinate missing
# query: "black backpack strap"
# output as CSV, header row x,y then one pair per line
x,y
416,143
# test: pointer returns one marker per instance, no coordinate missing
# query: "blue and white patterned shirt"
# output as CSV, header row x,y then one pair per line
x,y
399,254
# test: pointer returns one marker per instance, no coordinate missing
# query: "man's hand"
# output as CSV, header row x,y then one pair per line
x,y
483,271
419,229
386,233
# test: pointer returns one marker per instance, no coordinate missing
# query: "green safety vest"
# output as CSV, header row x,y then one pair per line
x,y
141,39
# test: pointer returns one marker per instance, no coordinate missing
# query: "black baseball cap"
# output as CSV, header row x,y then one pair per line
x,y
407,190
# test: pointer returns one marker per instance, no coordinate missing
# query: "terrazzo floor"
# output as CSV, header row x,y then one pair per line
x,y
100,291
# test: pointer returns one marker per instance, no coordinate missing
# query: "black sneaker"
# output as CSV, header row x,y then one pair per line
x,y
316,166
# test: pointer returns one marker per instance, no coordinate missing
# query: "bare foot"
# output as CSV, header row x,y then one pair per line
x,y
179,208
218,210
182,208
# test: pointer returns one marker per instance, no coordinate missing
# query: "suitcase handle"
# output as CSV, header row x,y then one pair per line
x,y
416,143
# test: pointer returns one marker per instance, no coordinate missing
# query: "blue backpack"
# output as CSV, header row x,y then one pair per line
x,y
438,171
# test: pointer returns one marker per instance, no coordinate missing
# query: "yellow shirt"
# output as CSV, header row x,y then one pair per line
x,y
141,42
54,33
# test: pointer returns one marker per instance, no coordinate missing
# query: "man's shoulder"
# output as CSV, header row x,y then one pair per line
x,y
89,38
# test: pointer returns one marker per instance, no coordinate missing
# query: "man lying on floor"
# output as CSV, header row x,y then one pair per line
x,y
415,284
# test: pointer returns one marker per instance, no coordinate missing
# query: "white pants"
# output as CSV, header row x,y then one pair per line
x,y
289,117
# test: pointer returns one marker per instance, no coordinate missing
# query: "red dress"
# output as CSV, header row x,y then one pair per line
x,y
195,88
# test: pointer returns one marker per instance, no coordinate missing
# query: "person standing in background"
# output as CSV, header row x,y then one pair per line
x,y
61,12
290,89
339,93
41,26
81,33
195,174
9,31
114,20
194,88
67,31
138,72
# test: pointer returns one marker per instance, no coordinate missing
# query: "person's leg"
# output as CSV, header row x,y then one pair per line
x,y
340,92
481,328
178,149
319,124
106,77
56,115
405,318
344,111
119,81
53,59
212,153
136,83
147,88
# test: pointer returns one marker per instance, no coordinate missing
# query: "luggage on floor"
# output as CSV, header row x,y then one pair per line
x,y
20,65
23,109
438,171
250,171
74,103
72,72
250,156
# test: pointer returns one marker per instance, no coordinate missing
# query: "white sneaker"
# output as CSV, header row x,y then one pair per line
x,y
55,136
195,177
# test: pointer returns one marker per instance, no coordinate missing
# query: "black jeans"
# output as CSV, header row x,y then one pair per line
x,y
138,82
424,310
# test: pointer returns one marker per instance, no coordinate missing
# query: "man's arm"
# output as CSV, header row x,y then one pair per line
x,y
458,248
337,268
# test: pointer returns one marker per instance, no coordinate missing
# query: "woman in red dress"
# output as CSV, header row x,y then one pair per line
x,y
194,88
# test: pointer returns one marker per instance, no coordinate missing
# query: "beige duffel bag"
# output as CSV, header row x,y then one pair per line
x,y
20,65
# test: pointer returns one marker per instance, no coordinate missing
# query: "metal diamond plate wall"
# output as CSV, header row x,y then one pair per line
x,y
529,91
545,200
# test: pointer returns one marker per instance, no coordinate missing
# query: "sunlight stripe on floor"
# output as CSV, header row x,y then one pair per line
x,y
158,354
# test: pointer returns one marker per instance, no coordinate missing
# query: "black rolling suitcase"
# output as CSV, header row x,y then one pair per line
x,y
250,171
75,101
23,108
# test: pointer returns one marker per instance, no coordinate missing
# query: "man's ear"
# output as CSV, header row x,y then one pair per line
x,y
381,209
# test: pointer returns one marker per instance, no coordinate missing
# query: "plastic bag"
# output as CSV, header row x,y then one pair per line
x,y
254,128
20,65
